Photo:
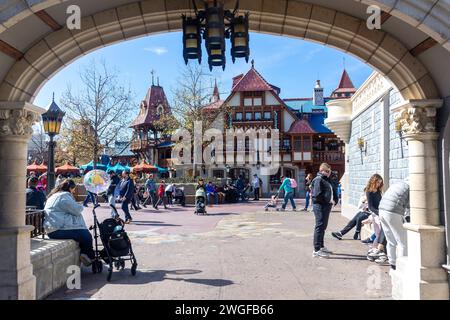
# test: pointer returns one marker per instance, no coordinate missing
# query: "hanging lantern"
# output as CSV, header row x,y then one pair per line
x,y
191,39
215,24
240,38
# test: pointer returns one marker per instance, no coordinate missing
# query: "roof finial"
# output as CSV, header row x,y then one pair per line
x,y
153,77
53,96
158,81
253,63
344,62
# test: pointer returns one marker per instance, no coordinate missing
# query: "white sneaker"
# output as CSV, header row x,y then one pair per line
x,y
320,254
85,260
324,249
375,253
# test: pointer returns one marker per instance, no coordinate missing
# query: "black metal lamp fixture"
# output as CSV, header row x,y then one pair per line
x,y
52,120
215,24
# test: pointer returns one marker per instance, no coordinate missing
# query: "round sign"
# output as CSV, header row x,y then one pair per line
x,y
96,181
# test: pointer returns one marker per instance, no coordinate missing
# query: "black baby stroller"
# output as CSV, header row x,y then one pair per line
x,y
200,202
116,246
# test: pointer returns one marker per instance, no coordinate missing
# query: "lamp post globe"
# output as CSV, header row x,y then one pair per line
x,y
52,120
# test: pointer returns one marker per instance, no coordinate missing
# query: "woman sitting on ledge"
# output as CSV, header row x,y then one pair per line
x,y
64,219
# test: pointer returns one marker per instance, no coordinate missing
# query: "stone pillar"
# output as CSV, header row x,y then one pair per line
x,y
16,275
420,275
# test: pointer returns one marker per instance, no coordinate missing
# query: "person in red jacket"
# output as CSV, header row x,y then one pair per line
x,y
161,195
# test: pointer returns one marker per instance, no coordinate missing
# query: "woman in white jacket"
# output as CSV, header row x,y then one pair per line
x,y
64,219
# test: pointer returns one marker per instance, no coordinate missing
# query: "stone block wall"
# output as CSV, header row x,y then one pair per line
x,y
363,164
398,148
50,260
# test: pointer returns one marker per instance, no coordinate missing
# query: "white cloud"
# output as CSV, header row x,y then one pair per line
x,y
157,50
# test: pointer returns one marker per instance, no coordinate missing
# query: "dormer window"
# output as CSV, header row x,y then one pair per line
x,y
159,110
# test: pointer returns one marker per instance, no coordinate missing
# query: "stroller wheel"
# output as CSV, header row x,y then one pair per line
x,y
108,277
133,269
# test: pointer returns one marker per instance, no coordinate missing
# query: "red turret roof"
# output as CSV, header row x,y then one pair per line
x,y
301,126
216,103
252,81
345,86
149,106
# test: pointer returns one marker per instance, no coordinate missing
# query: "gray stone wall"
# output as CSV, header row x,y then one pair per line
x,y
364,164
398,148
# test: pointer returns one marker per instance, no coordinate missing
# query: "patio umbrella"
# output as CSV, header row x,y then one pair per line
x,y
144,167
67,169
36,167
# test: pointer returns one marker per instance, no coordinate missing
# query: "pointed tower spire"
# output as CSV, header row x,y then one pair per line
x,y
345,88
216,94
153,77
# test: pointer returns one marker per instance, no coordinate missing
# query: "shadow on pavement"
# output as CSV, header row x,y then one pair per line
x,y
346,256
152,223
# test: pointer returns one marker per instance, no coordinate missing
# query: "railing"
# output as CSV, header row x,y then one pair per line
x,y
328,156
139,144
35,218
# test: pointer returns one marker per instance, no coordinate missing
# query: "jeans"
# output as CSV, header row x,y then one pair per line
x,y
112,204
215,195
90,196
151,197
392,225
256,193
307,199
355,222
322,214
125,208
161,200
169,197
289,196
82,236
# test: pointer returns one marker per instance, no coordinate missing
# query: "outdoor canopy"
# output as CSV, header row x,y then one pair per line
x,y
36,167
161,170
144,168
118,168
90,166
66,169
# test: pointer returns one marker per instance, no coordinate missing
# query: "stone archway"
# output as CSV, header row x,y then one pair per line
x,y
315,23
323,24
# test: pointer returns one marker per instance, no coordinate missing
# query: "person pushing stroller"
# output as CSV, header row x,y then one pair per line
x,y
200,197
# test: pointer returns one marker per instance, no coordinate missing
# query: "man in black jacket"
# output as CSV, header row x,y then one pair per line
x,y
323,194
35,198
127,190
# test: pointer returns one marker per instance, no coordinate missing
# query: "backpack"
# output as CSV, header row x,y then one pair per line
x,y
293,183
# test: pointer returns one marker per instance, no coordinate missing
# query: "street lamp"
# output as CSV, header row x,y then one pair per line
x,y
52,120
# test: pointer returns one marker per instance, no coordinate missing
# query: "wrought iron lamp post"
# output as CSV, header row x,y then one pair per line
x,y
52,120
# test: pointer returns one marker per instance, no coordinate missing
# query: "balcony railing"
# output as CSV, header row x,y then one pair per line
x,y
35,218
328,156
139,144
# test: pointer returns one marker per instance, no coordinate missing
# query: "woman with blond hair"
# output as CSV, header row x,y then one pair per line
x,y
373,192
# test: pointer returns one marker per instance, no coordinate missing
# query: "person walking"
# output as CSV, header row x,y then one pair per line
x,y
114,182
35,197
288,193
256,184
323,195
170,189
150,187
126,194
64,219
308,180
394,212
161,195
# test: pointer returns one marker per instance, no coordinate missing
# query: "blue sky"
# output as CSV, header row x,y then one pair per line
x,y
291,64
